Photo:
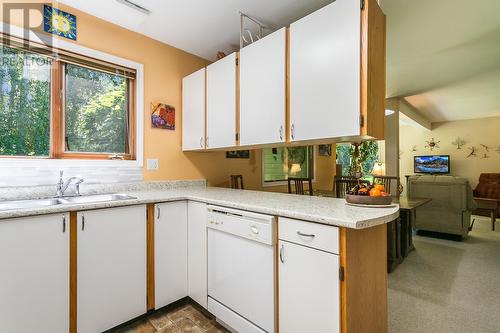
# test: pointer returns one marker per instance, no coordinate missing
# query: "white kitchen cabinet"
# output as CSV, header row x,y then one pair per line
x,y
34,274
171,251
221,103
263,90
325,62
309,299
197,252
111,259
193,111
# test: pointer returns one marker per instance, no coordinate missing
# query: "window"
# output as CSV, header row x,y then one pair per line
x,y
64,105
281,163
24,103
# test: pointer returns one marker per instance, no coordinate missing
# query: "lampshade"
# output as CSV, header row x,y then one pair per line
x,y
378,169
295,168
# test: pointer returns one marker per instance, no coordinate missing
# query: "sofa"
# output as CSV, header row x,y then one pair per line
x,y
488,188
451,206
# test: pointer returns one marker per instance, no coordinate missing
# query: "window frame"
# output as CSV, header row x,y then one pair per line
x,y
285,182
57,155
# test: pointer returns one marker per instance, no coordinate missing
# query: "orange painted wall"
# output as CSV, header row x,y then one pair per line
x,y
165,66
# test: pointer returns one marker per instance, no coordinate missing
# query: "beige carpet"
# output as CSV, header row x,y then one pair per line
x,y
448,286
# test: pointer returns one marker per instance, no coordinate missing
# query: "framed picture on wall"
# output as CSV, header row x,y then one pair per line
x,y
238,154
325,150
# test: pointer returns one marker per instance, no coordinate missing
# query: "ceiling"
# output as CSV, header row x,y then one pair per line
x,y
443,56
200,27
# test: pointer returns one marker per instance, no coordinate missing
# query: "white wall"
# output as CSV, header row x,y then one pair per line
x,y
475,132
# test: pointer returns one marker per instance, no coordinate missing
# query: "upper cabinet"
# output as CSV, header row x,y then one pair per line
x,y
221,103
337,72
193,111
263,90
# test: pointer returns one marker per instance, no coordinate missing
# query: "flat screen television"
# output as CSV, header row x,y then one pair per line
x,y
433,164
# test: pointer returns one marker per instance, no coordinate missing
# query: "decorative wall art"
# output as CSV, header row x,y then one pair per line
x,y
325,150
59,23
238,154
472,152
432,144
162,116
459,142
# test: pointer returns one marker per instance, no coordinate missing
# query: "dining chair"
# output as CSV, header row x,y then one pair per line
x,y
237,182
387,181
342,184
299,185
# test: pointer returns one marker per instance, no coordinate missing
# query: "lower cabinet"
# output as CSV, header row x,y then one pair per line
x,y
171,252
111,261
197,252
34,274
309,299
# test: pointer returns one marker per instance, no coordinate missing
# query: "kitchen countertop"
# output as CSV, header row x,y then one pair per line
x,y
323,210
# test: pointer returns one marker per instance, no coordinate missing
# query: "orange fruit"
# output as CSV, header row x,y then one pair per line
x,y
375,192
379,187
384,194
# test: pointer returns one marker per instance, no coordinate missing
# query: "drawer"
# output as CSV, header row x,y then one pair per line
x,y
318,236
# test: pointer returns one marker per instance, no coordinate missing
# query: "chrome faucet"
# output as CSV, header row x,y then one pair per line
x,y
62,185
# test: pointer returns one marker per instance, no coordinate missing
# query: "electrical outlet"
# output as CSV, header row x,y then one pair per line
x,y
152,164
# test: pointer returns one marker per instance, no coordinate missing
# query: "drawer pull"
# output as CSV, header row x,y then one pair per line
x,y
255,230
281,253
305,235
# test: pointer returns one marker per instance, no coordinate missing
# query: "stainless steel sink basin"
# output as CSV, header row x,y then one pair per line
x,y
98,198
40,203
24,204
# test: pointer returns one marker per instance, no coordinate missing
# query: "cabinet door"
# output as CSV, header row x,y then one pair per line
x,y
221,103
309,298
34,274
170,252
197,252
111,259
193,111
263,90
325,72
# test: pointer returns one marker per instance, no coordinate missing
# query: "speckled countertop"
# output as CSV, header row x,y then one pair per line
x,y
315,209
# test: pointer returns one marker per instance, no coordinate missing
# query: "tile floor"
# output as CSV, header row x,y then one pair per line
x,y
182,318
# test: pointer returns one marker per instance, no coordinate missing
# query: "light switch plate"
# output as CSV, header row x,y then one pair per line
x,y
152,164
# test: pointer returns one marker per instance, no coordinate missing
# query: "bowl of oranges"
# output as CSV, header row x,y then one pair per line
x,y
364,194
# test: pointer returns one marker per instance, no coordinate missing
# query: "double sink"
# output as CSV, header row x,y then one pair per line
x,y
41,203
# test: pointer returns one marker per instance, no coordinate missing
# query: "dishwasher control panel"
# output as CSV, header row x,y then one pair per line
x,y
254,226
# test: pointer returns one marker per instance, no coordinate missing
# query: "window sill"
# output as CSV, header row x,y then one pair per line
x,y
48,162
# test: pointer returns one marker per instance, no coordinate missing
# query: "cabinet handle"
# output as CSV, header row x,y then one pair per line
x,y
158,212
64,223
305,235
282,249
292,130
201,142
281,132
83,222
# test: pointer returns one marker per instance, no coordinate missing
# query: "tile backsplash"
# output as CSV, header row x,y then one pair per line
x,y
34,176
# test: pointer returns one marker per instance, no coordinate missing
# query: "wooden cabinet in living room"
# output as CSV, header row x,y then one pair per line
x,y
337,72
111,261
193,111
263,90
221,103
170,232
34,274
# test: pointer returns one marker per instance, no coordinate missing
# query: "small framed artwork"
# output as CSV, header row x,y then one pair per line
x,y
325,150
162,116
238,154
59,23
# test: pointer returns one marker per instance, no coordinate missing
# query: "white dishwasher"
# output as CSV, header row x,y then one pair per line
x,y
241,275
